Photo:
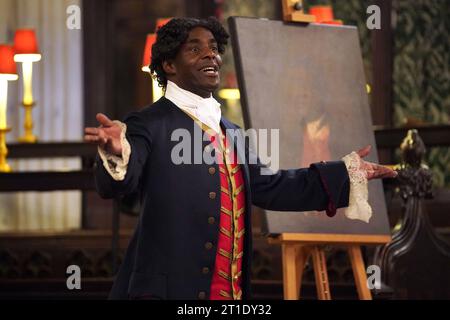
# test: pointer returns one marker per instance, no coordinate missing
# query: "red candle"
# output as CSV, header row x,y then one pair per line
x,y
7,64
324,15
25,42
151,38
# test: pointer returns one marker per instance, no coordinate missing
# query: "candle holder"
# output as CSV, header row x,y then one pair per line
x,y
27,52
4,166
8,72
28,136
293,11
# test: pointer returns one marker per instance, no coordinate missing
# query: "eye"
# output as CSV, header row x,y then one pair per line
x,y
215,49
195,50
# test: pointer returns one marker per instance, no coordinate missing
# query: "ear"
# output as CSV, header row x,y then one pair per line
x,y
169,67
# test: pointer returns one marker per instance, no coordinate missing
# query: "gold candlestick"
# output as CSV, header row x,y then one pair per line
x,y
4,166
26,48
28,136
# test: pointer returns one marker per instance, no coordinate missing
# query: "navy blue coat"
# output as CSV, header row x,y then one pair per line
x,y
169,250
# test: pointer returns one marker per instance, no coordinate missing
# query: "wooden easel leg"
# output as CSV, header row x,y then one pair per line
x,y
302,258
359,272
320,273
290,282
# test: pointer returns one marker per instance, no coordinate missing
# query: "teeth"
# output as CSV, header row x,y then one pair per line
x,y
209,69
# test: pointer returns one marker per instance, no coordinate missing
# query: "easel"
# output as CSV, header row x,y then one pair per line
x,y
298,247
293,12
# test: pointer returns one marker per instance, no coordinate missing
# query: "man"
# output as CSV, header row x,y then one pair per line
x,y
193,239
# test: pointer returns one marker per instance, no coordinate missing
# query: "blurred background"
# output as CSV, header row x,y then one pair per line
x,y
50,214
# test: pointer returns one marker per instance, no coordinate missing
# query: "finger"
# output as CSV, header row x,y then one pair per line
x,y
93,131
103,120
91,138
382,172
96,132
387,171
384,176
391,174
364,151
96,139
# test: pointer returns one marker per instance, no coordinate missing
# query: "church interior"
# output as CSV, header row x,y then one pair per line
x,y
64,61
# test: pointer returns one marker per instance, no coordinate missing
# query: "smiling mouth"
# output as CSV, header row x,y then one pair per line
x,y
212,71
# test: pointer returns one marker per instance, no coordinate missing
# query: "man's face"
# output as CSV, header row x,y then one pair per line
x,y
196,66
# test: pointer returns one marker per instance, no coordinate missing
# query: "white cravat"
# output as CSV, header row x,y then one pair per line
x,y
207,110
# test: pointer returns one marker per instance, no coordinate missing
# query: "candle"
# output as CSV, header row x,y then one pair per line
x,y
7,72
27,70
3,101
27,52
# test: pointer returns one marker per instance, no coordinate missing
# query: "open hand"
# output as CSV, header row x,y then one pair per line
x,y
106,136
373,170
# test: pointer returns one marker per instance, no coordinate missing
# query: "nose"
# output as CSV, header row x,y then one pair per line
x,y
209,53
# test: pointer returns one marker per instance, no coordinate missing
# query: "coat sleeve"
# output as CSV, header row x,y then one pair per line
x,y
139,138
322,186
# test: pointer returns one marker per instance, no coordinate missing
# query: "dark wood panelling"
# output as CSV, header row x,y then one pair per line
x,y
432,136
382,68
97,59
382,64
46,181
51,150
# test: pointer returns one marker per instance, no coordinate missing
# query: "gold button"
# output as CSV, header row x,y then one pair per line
x,y
212,195
212,170
208,245
211,220
205,270
202,295
235,277
227,151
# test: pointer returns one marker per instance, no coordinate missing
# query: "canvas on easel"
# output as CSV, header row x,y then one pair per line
x,y
307,80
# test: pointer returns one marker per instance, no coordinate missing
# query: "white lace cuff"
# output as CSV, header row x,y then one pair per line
x,y
117,166
358,206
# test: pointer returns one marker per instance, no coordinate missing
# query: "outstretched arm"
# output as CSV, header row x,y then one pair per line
x,y
322,186
124,148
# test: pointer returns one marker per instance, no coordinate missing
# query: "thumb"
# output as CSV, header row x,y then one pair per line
x,y
103,120
364,151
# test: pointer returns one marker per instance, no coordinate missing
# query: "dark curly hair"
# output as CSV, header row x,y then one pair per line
x,y
172,35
